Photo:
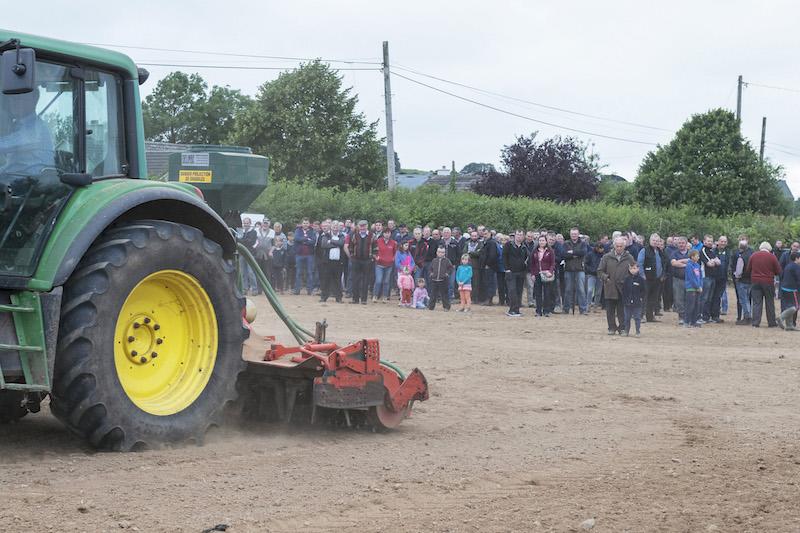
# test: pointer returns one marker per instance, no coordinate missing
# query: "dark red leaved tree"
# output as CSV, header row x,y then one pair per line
x,y
555,169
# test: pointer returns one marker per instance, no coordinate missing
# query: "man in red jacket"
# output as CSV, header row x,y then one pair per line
x,y
763,267
384,250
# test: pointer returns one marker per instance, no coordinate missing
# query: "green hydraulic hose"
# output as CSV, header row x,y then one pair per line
x,y
393,367
300,334
389,365
270,292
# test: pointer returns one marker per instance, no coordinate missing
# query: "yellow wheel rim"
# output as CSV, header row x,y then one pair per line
x,y
165,342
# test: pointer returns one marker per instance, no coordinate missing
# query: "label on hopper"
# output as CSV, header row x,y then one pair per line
x,y
194,159
194,176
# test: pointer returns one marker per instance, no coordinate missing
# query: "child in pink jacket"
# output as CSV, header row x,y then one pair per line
x,y
405,282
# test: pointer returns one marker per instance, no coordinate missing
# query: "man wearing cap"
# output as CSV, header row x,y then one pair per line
x,y
358,248
762,268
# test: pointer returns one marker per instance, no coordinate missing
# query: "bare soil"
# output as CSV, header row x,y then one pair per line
x,y
534,424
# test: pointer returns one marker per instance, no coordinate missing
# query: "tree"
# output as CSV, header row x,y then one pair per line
x,y
477,168
170,111
616,192
397,166
218,114
709,166
307,123
555,169
179,110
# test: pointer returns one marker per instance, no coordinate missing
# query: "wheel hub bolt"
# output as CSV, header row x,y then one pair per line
x,y
156,327
136,325
131,338
159,341
154,355
146,320
143,360
134,353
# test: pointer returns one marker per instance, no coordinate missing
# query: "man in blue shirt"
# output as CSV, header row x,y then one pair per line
x,y
27,147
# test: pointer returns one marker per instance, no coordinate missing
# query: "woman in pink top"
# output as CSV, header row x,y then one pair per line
x,y
543,265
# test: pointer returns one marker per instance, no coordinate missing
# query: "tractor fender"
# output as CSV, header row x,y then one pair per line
x,y
155,203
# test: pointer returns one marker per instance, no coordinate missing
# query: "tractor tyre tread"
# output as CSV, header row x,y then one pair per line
x,y
92,403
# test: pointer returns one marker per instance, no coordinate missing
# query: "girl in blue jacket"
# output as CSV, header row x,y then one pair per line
x,y
464,282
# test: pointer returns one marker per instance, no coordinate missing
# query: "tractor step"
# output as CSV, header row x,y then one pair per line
x,y
23,357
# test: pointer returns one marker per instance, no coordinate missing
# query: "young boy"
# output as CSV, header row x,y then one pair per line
x,y
632,291
693,281
439,270
420,299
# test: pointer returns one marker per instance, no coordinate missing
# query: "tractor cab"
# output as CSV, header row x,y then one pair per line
x,y
60,127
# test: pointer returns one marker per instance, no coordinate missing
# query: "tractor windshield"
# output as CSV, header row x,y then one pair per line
x,y
70,123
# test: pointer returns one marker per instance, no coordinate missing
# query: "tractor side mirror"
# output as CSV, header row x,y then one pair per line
x,y
17,70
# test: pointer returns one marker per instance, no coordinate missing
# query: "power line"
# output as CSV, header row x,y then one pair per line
x,y
784,146
230,54
532,103
513,114
772,147
788,89
236,67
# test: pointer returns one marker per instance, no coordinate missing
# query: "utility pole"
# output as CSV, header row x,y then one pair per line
x,y
387,90
739,101
763,137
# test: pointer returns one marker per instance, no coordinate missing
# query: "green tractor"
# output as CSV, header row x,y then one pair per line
x,y
118,295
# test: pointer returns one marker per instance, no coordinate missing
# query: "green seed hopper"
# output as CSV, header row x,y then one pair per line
x,y
230,177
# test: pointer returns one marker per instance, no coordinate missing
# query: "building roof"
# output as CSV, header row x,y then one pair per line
x,y
411,181
463,181
787,192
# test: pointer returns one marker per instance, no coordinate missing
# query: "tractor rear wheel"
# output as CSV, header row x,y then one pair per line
x,y
150,339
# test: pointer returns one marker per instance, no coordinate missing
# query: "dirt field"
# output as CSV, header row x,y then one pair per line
x,y
534,424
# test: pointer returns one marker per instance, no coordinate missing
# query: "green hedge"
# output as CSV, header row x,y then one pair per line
x,y
289,202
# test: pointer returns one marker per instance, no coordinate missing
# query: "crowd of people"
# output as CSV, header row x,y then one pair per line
x,y
634,280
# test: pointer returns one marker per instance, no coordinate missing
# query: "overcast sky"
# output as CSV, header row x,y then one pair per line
x,y
649,63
